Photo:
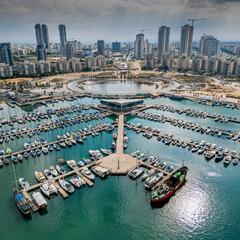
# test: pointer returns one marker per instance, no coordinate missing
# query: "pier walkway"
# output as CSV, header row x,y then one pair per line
x,y
119,147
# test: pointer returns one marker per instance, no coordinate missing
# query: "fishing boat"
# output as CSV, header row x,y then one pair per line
x,y
61,170
23,183
21,202
72,164
77,181
39,176
48,189
166,190
48,174
100,171
153,180
39,200
135,172
66,186
87,173
53,171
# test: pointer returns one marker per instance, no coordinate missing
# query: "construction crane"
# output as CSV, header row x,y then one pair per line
x,y
196,19
144,30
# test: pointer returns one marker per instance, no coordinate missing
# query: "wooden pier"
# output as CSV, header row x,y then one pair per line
x,y
30,201
60,189
119,147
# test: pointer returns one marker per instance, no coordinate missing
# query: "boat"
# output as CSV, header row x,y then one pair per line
x,y
25,155
153,180
50,147
169,168
219,156
8,151
23,183
39,200
66,186
62,144
44,150
21,202
106,151
14,159
114,135
100,171
48,189
48,174
135,172
227,160
53,171
68,143
87,173
77,181
152,160
167,189
72,164
39,176
149,173
162,165
56,146
209,154
19,157
61,170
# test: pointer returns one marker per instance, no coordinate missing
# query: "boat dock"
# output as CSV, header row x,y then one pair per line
x,y
51,143
30,201
10,104
192,112
188,125
178,140
119,147
60,189
89,182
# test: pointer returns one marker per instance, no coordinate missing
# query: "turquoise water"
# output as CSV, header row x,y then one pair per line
x,y
122,86
206,207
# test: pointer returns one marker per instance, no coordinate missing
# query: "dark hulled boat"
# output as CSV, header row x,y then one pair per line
x,y
166,190
21,202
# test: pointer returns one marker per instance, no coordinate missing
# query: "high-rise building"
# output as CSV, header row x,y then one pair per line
x,y
69,50
101,61
139,46
6,53
186,40
208,45
149,61
45,35
39,34
116,46
100,48
199,64
63,36
41,53
163,40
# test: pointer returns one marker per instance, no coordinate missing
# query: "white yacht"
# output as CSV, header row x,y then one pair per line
x,y
39,176
66,186
77,181
53,171
48,189
72,164
151,181
48,174
100,171
135,172
39,200
23,183
61,170
149,173
87,173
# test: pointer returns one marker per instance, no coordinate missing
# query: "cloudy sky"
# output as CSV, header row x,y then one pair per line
x,y
120,20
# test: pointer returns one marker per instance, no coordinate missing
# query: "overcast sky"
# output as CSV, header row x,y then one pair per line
x,y
120,20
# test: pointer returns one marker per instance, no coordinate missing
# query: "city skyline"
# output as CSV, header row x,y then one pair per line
x,y
116,20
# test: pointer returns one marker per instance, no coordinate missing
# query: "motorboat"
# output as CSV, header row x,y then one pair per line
x,y
66,186
227,160
162,165
169,169
44,150
39,176
48,174
100,171
62,144
153,180
56,146
87,173
23,183
61,170
25,155
149,173
77,181
72,164
135,172
48,189
53,171
19,157
14,158
106,151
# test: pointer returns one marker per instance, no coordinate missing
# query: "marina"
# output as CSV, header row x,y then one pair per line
x,y
119,162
